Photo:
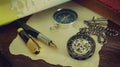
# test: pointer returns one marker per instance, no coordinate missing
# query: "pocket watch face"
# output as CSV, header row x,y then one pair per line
x,y
81,47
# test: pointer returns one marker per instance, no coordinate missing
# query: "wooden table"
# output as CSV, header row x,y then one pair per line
x,y
101,9
109,54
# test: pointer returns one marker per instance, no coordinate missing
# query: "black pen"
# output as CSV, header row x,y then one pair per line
x,y
30,42
37,34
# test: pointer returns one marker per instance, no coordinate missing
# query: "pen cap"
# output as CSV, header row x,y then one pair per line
x,y
23,34
30,43
33,46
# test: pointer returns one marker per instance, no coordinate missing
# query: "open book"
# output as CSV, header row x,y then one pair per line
x,y
11,10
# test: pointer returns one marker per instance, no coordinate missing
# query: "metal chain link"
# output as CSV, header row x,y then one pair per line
x,y
95,27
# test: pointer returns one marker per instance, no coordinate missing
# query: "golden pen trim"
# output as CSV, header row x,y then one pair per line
x,y
30,43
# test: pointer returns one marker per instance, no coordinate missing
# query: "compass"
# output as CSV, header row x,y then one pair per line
x,y
81,46
65,16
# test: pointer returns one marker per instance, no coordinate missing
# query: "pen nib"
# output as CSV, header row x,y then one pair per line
x,y
52,45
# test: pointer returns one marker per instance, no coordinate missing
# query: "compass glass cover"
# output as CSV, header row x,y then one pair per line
x,y
65,16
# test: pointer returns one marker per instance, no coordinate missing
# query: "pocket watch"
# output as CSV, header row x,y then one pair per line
x,y
81,46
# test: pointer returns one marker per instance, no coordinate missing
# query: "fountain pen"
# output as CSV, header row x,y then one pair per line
x,y
36,34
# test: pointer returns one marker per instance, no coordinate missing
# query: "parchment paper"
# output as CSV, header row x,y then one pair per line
x,y
42,22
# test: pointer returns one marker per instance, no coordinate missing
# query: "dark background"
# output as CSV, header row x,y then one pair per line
x,y
109,54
